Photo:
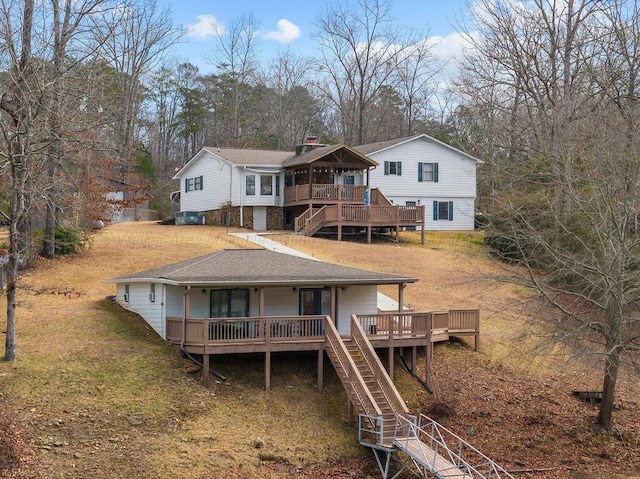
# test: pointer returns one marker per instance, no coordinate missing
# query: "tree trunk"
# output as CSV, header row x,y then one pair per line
x,y
611,367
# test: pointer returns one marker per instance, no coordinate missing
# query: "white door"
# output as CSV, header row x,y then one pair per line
x,y
259,218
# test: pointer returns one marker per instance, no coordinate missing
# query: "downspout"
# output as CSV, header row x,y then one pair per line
x,y
241,197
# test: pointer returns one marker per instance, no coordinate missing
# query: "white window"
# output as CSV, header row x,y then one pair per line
x,y
428,172
152,292
266,185
126,293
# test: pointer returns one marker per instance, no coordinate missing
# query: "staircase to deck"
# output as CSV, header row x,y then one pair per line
x,y
385,424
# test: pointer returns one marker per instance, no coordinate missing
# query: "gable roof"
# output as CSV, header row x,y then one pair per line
x,y
371,148
258,267
322,151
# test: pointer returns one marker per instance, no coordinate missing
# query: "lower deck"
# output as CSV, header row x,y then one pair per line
x,y
215,336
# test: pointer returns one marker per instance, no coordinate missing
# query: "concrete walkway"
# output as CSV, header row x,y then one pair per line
x,y
385,303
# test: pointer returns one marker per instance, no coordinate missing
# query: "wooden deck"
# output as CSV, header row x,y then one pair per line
x,y
307,333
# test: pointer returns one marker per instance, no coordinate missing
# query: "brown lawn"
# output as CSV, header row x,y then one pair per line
x,y
96,394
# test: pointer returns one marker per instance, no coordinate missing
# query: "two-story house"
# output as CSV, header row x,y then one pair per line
x,y
333,188
421,170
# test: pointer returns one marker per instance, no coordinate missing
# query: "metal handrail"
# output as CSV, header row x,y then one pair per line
x,y
439,440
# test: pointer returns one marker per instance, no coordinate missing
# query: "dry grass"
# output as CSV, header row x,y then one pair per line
x,y
99,395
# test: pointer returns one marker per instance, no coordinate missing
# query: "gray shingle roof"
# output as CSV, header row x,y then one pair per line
x,y
381,145
240,156
259,267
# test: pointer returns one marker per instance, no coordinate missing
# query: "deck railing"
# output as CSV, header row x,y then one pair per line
x,y
315,221
396,325
249,330
325,193
381,376
402,325
375,214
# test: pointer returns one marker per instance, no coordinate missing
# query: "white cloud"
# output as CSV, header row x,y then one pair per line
x,y
286,32
207,26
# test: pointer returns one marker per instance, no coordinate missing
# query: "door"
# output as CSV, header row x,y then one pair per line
x,y
259,218
348,181
314,302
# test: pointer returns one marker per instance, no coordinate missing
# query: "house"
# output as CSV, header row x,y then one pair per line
x,y
334,189
251,283
260,301
420,170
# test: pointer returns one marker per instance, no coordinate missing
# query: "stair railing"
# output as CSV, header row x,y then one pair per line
x,y
393,397
354,384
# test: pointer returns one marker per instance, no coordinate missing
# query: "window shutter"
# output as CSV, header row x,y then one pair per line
x,y
435,211
186,185
450,210
399,168
435,172
386,167
419,171
201,182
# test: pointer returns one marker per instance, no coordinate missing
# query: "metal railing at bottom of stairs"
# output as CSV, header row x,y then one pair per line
x,y
441,452
431,448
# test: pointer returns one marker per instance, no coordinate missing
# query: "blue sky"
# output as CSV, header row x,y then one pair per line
x,y
290,24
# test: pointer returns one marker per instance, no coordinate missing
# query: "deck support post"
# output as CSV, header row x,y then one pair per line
x,y
391,354
320,369
267,371
339,232
429,357
422,231
205,369
369,234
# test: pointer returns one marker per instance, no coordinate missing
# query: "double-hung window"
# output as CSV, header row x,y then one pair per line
x,y
193,184
443,210
393,168
427,172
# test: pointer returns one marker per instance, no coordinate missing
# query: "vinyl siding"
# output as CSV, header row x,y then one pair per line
x,y
218,176
355,300
258,199
456,180
151,312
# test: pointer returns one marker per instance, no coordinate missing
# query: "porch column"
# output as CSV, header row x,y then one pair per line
x,y
261,301
334,303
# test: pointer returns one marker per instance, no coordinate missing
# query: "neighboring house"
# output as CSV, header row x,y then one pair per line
x,y
332,188
421,170
126,202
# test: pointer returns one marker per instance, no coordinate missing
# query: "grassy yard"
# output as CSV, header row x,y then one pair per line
x,y
96,394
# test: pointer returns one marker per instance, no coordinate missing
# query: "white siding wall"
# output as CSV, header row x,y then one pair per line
x,y
355,300
219,177
456,181
279,302
151,312
174,301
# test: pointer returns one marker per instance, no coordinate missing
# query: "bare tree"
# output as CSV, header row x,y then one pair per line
x,y
16,101
560,80
360,52
132,39
236,61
